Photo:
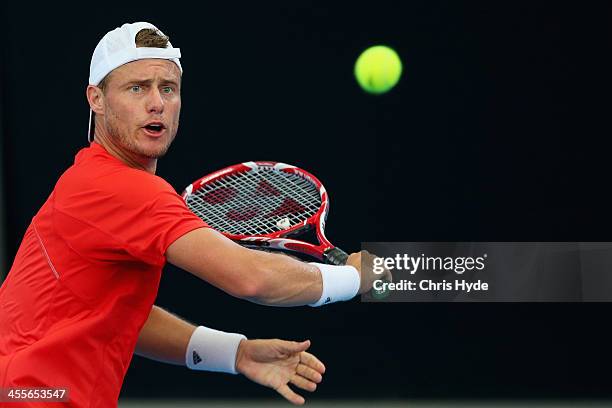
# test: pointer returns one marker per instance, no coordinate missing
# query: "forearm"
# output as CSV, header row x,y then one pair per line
x,y
164,337
285,281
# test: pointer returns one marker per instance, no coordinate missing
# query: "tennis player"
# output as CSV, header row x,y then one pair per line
x,y
79,298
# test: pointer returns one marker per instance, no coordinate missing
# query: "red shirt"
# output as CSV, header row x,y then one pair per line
x,y
85,278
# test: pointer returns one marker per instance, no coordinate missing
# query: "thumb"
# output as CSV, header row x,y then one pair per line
x,y
292,347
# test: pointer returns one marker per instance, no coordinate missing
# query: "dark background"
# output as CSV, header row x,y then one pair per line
x,y
498,130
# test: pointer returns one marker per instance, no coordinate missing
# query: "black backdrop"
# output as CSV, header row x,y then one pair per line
x,y
498,130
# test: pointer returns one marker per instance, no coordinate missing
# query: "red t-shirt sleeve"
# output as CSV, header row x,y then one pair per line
x,y
167,219
125,217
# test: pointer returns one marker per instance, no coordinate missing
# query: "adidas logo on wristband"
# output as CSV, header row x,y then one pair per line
x,y
196,358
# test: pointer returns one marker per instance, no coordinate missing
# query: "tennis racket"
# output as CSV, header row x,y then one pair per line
x,y
266,205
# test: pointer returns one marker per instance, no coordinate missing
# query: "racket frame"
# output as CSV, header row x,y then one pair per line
x,y
278,240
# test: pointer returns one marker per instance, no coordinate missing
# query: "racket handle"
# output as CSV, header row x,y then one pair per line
x,y
335,256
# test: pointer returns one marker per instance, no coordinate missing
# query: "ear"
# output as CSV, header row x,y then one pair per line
x,y
95,97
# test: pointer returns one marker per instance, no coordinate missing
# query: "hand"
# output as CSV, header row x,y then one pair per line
x,y
364,263
276,363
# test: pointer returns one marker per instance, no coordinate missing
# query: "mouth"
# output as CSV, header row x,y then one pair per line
x,y
154,129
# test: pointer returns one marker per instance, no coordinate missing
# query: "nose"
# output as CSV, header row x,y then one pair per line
x,y
155,102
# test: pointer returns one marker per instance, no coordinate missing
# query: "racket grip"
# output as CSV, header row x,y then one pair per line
x,y
335,256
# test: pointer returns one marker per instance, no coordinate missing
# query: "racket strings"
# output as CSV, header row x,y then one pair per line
x,y
256,202
239,217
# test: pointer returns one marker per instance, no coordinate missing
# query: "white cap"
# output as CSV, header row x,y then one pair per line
x,y
118,47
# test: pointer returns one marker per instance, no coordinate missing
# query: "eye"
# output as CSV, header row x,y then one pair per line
x,y
136,88
167,89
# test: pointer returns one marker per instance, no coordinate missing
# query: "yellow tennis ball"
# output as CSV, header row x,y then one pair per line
x,y
378,69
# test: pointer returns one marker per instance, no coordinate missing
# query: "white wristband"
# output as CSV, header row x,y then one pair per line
x,y
213,350
339,283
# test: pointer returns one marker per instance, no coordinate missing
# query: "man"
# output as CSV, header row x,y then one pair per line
x,y
78,300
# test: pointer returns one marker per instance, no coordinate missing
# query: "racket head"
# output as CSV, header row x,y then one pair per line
x,y
260,201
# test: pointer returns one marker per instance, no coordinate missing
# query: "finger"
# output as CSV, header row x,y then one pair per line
x,y
303,383
289,395
388,275
311,361
309,373
293,347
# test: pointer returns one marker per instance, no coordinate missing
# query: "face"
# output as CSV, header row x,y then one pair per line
x,y
142,105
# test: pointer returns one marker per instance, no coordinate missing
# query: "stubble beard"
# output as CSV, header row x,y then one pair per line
x,y
130,145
